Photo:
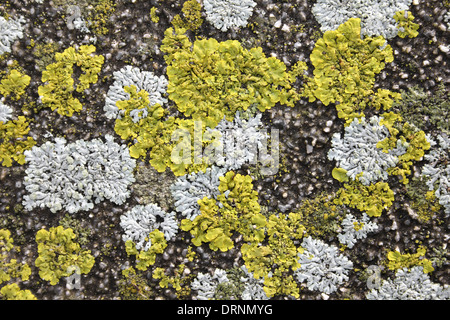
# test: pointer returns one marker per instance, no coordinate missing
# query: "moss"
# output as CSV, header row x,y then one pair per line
x,y
13,141
59,85
345,66
59,254
14,84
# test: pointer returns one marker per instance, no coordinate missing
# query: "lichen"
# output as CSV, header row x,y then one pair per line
x,y
410,284
14,84
11,29
198,71
235,209
321,266
14,141
358,154
10,268
345,66
372,199
59,255
396,260
77,175
146,258
354,229
437,170
406,26
228,14
377,17
13,292
191,18
59,84
142,220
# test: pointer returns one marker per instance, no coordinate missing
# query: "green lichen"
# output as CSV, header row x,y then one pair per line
x,y
209,79
372,199
233,288
191,18
13,292
145,259
153,16
98,15
320,216
59,254
178,281
57,92
235,210
409,135
10,268
345,66
396,260
275,259
406,27
133,285
155,134
14,84
13,141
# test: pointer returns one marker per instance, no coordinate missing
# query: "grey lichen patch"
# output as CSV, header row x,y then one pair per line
x,y
153,187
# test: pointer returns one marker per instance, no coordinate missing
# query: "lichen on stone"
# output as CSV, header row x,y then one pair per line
x,y
410,284
227,14
321,266
377,16
143,80
10,30
358,154
437,170
75,176
141,220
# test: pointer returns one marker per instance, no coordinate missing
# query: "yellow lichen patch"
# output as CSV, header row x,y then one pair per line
x,y
59,85
14,84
